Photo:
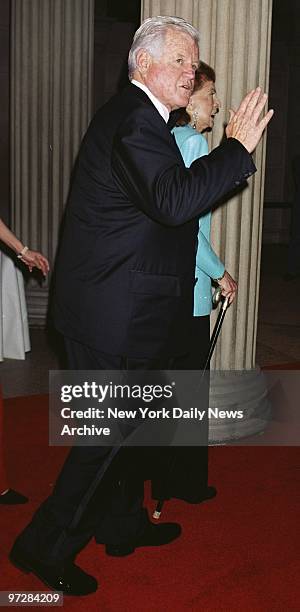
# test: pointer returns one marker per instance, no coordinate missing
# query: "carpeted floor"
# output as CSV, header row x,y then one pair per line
x,y
295,365
238,552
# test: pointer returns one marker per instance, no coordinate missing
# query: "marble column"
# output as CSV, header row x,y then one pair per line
x,y
51,103
235,37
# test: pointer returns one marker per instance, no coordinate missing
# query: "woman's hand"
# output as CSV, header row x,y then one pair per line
x,y
34,259
228,286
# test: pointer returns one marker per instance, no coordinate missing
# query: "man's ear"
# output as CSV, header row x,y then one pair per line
x,y
143,61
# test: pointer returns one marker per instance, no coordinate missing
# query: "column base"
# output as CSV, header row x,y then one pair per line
x,y
238,406
37,305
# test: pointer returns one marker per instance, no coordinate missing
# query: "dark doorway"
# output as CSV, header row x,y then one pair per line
x,y
115,24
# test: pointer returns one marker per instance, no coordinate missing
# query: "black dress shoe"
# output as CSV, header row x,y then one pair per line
x,y
68,578
13,497
152,535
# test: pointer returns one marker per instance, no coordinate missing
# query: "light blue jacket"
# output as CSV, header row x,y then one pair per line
x,y
193,145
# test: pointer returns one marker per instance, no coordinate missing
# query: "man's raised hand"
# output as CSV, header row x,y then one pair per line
x,y
244,124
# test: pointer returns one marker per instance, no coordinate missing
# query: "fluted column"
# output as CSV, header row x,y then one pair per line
x,y
51,101
235,38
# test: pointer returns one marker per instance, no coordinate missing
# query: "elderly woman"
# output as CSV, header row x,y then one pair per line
x,y
184,474
197,118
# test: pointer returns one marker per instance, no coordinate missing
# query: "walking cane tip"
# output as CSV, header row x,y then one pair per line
x,y
156,514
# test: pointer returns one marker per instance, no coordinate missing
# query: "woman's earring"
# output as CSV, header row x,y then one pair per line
x,y
194,120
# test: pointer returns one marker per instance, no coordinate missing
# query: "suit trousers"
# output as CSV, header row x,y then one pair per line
x,y
99,492
182,472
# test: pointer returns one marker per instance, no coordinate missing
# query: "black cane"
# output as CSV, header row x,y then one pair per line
x,y
216,331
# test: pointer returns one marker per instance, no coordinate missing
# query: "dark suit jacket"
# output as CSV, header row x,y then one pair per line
x,y
125,268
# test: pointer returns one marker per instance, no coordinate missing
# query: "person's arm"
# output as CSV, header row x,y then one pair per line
x,y
149,171
192,148
9,238
30,258
207,260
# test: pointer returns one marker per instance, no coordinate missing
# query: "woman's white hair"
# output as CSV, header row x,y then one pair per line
x,y
151,35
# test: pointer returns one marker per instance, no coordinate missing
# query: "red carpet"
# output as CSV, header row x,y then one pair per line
x,y
294,365
238,552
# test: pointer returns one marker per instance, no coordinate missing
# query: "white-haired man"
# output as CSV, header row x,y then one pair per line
x,y
124,283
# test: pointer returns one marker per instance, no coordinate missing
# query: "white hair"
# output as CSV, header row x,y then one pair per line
x,y
151,35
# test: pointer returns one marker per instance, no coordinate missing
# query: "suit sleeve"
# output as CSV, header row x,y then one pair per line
x,y
149,171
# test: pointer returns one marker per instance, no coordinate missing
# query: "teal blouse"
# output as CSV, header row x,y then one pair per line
x,y
193,145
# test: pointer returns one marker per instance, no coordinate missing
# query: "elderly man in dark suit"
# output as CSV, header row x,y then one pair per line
x,y
124,282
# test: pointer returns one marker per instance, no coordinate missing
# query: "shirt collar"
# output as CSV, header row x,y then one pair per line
x,y
161,108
